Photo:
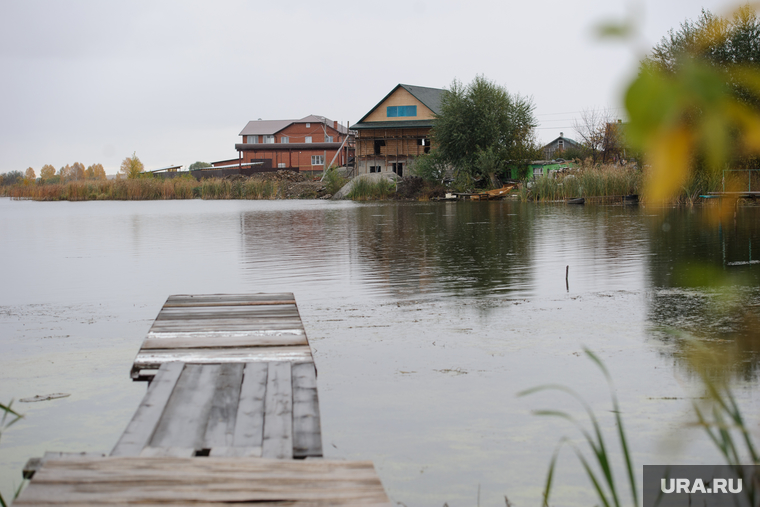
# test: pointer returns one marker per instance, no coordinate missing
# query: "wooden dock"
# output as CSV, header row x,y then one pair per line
x,y
231,410
221,328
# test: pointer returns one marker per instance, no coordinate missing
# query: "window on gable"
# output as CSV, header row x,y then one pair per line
x,y
307,139
328,139
284,140
401,111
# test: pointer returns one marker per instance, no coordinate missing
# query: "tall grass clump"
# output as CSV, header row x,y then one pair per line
x,y
588,181
367,190
334,181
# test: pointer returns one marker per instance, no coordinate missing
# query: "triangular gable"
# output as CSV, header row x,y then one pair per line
x,y
427,101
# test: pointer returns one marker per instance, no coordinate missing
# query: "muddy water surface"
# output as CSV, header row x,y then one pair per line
x,y
425,321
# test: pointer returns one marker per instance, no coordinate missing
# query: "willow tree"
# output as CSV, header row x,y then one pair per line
x,y
482,126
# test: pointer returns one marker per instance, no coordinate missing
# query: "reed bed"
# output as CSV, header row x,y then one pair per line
x,y
365,190
142,189
600,181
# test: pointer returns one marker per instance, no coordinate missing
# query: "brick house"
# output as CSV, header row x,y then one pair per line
x,y
397,129
308,144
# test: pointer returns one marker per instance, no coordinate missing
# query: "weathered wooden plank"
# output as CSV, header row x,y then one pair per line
x,y
211,335
278,413
140,429
249,421
175,452
34,464
307,431
204,481
202,342
153,358
200,311
235,452
278,316
183,423
230,298
224,324
220,428
226,303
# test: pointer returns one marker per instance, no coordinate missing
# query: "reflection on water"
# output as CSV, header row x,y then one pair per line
x,y
707,288
425,319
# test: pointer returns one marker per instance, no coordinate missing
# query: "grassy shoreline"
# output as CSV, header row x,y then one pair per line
x,y
141,189
593,183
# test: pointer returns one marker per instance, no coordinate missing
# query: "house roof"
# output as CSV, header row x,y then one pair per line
x,y
264,127
567,139
271,127
430,97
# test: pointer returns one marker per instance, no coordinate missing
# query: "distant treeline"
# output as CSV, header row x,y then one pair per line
x,y
48,174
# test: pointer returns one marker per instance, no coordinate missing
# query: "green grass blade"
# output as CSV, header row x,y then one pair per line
x,y
592,477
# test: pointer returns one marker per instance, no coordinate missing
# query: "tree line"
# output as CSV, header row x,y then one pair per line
x,y
48,174
131,167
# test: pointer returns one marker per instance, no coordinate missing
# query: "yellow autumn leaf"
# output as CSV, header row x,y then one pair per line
x,y
670,160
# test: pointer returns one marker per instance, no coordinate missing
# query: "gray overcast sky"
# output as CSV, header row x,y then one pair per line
x,y
176,81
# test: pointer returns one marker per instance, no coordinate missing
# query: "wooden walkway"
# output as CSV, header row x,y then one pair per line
x,y
224,329
231,409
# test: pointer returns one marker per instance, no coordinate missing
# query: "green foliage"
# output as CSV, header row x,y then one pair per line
x,y
573,153
368,190
589,181
11,178
334,181
196,166
482,116
430,167
599,469
695,102
723,42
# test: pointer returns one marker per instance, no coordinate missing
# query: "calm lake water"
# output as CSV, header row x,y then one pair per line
x,y
425,320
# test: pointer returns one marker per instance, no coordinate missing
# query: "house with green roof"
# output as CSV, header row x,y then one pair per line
x,y
397,129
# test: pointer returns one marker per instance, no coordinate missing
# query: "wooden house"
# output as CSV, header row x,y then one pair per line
x,y
397,129
309,144
555,148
